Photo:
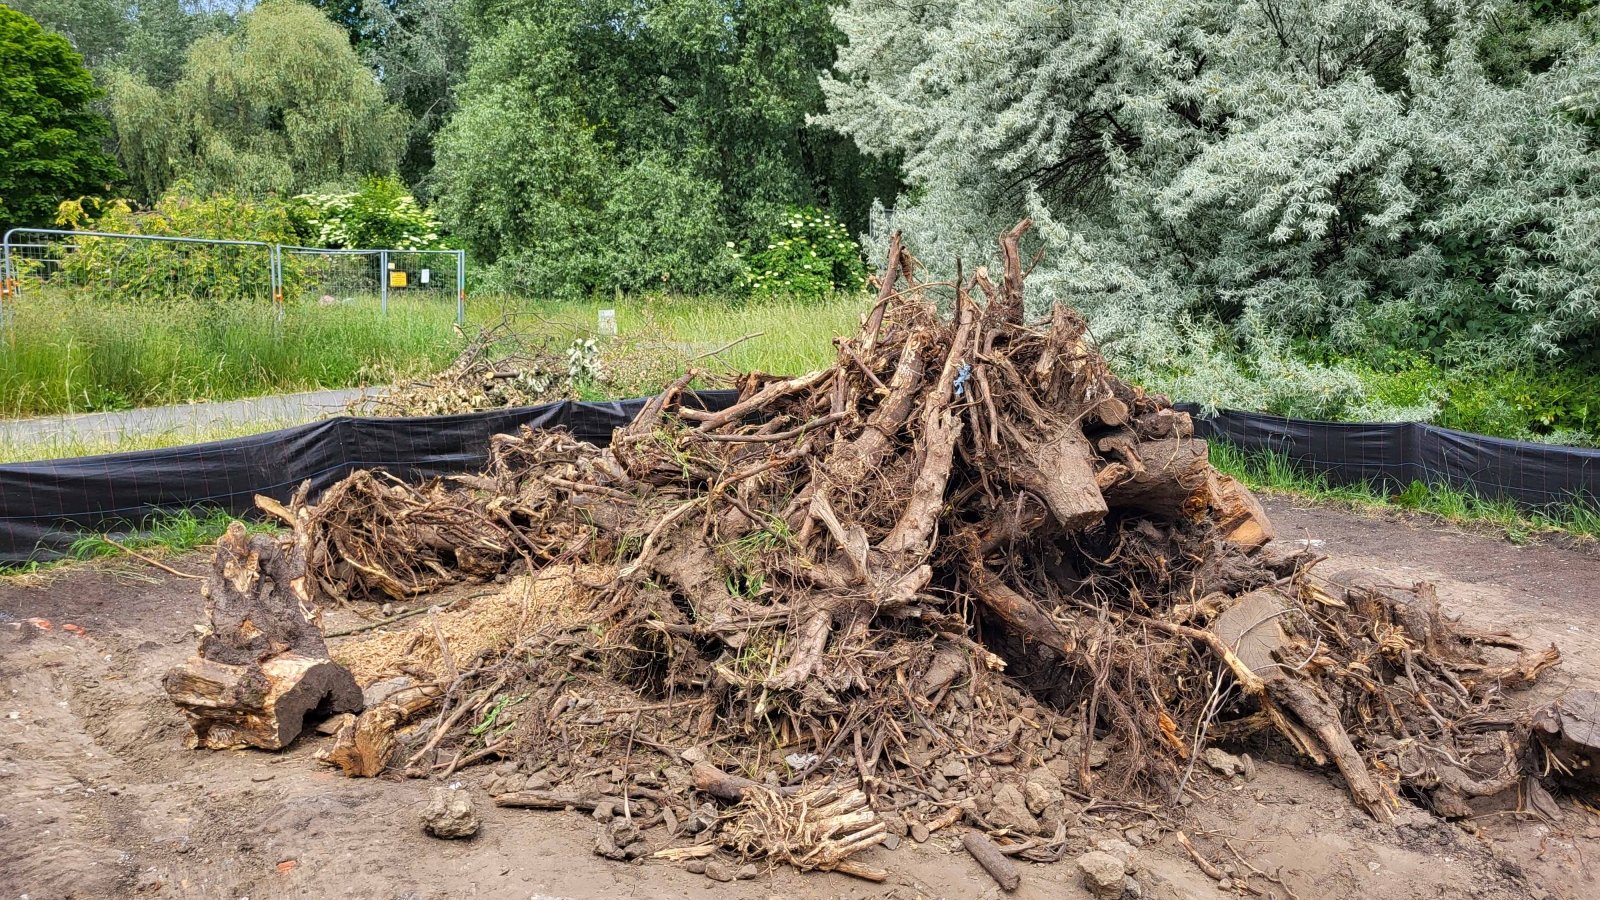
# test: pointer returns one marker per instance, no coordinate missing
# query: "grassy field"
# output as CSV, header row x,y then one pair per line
x,y
67,355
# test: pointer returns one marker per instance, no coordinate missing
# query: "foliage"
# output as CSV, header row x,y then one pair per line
x,y
239,119
146,37
656,110
419,50
49,135
381,214
810,255
1285,167
154,272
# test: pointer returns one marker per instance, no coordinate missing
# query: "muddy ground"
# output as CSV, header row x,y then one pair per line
x,y
98,798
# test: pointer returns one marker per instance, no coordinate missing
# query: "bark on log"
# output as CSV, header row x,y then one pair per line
x,y
365,746
1061,471
1002,869
262,666
1175,482
711,780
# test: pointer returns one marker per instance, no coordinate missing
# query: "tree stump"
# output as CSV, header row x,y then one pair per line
x,y
262,666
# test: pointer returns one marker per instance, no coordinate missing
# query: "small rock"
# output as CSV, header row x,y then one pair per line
x,y
747,872
919,832
896,825
514,783
954,769
623,833
891,842
1223,762
635,850
1132,889
450,814
603,812
606,847
1103,874
1099,754
262,776
716,870
1038,796
693,755
696,866
1010,810
1120,849
506,768
381,690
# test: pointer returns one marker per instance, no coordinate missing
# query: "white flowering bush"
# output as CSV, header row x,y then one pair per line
x,y
381,214
810,255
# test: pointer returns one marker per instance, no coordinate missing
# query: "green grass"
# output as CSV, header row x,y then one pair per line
x,y
1274,472
156,536
67,353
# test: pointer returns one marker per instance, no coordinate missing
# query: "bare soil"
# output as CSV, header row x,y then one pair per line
x,y
101,800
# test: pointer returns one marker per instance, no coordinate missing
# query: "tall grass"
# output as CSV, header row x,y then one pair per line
x,y
67,354
1272,471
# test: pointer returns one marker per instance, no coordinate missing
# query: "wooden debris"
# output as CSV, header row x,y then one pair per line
x,y
262,667
997,864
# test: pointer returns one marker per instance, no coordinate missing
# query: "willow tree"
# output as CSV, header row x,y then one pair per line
x,y
1356,170
281,105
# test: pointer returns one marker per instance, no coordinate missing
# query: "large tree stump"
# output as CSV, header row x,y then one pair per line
x,y
262,666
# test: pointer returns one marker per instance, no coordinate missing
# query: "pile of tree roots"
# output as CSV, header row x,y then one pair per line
x,y
965,574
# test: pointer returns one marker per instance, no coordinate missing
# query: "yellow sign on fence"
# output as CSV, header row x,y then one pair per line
x,y
397,279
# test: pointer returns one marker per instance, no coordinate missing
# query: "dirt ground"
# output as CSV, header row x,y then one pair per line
x,y
98,798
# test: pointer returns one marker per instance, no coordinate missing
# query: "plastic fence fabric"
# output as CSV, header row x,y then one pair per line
x,y
47,505
1396,454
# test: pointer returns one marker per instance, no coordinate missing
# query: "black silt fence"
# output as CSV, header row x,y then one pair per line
x,y
47,505
1393,455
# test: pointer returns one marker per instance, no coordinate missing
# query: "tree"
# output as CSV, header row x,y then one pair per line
x,y
147,37
1353,171
690,109
49,136
282,105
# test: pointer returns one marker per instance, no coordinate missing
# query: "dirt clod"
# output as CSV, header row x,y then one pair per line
x,y
1103,874
450,815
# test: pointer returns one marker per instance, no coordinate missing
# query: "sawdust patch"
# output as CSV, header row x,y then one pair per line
x,y
487,625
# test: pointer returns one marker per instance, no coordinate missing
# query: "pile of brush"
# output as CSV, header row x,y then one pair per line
x,y
965,571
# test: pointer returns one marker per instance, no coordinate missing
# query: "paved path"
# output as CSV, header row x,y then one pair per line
x,y
276,411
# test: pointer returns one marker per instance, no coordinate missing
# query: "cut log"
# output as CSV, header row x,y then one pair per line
x,y
1569,731
262,705
1061,471
262,667
1001,869
1239,516
1175,482
365,746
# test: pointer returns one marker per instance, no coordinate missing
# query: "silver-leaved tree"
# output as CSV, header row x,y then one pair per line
x,y
1214,175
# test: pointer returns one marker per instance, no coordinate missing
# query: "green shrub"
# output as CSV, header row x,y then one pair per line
x,y
809,255
114,270
381,214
